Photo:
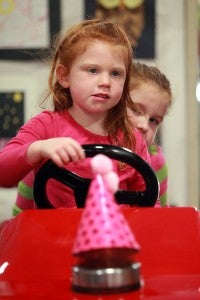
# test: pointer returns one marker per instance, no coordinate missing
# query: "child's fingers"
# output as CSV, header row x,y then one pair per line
x,y
68,151
75,152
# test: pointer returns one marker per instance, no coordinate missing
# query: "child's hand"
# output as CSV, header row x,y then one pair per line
x,y
60,150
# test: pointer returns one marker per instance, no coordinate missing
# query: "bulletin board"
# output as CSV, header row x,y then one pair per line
x,y
21,93
27,27
11,113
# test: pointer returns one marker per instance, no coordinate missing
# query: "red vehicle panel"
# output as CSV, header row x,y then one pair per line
x,y
36,259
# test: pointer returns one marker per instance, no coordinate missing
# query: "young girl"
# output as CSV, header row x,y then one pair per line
x,y
88,83
150,90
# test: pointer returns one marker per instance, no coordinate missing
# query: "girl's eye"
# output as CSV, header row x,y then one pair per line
x,y
92,70
116,73
154,121
136,111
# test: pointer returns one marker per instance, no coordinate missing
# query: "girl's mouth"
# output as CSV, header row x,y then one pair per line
x,y
102,96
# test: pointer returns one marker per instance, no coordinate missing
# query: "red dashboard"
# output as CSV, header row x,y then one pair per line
x,y
36,259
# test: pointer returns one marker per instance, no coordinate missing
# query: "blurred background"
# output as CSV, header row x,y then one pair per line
x,y
164,33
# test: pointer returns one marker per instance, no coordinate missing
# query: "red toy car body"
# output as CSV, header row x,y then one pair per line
x,y
36,259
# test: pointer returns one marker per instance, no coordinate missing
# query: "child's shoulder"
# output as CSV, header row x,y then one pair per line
x,y
138,135
50,115
139,139
155,149
158,159
140,146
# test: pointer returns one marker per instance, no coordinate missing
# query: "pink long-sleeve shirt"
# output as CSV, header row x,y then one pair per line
x,y
48,124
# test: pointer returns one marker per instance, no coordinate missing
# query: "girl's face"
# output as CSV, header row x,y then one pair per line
x,y
153,104
96,79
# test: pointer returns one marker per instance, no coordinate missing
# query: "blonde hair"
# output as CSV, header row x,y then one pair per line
x,y
144,73
73,43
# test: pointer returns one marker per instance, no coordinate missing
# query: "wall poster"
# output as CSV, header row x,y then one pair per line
x,y
27,27
11,115
137,17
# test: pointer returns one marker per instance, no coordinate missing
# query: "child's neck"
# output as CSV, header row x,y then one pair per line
x,y
93,123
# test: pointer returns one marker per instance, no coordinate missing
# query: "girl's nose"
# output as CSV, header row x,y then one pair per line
x,y
104,80
142,124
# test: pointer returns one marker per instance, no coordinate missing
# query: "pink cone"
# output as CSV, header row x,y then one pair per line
x,y
102,225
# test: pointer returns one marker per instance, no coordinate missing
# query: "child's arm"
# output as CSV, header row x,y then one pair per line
x,y
32,146
60,150
24,199
159,165
135,180
27,157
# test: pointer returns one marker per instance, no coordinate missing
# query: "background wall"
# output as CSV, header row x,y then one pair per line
x,y
174,57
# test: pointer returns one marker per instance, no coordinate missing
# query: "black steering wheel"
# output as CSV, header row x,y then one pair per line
x,y
80,185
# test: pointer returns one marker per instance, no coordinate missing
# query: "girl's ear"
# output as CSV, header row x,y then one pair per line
x,y
62,76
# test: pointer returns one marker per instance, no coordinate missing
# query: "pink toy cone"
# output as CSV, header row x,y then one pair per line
x,y
104,243
103,225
